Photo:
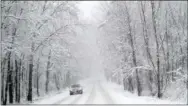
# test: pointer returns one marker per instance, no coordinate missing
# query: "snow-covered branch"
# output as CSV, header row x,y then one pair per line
x,y
14,17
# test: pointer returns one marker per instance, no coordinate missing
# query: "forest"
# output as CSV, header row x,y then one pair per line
x,y
147,42
140,45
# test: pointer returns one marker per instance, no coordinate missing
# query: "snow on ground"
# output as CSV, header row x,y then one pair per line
x,y
65,98
79,98
99,98
123,97
102,92
52,99
85,95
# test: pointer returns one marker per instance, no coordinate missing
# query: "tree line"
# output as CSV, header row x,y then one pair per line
x,y
146,46
35,53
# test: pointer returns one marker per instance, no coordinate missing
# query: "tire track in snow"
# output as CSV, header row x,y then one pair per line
x,y
70,99
106,95
91,96
64,99
76,100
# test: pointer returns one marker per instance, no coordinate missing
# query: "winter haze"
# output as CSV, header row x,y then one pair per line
x,y
94,52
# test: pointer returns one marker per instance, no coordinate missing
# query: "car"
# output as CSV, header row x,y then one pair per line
x,y
76,89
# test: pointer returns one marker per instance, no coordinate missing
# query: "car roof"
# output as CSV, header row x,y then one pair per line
x,y
75,84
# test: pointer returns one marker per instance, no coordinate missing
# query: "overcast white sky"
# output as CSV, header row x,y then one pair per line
x,y
87,7
90,11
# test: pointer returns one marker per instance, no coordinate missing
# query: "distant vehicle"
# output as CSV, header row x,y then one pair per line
x,y
76,89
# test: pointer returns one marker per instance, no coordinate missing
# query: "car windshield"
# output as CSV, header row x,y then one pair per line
x,y
76,85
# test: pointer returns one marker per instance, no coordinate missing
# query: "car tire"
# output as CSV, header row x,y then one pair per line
x,y
81,92
71,93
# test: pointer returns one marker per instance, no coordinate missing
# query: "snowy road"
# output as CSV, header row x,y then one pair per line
x,y
93,94
102,93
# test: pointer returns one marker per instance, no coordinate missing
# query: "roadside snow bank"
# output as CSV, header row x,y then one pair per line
x,y
123,97
52,98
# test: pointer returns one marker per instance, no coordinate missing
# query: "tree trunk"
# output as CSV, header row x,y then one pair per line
x,y
150,81
124,85
133,52
7,81
2,81
146,41
48,72
130,85
16,81
56,78
38,62
6,87
159,95
22,81
187,60
67,79
19,80
29,95
167,49
10,82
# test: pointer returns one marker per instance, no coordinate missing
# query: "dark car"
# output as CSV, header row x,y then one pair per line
x,y
76,89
